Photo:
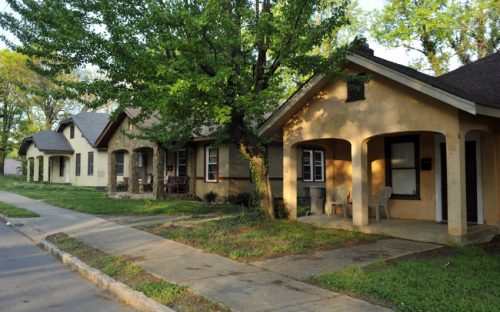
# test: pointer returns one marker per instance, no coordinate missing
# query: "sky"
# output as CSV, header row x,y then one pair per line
x,y
398,55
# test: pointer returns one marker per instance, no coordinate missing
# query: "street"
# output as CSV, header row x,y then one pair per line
x,y
32,280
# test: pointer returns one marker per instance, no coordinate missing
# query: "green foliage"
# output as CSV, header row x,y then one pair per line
x,y
280,209
438,29
466,281
15,212
88,200
240,199
210,197
211,63
253,236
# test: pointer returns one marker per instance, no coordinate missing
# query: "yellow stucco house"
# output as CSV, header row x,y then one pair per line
x,y
69,154
142,168
434,140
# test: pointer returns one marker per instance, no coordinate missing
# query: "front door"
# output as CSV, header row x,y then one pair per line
x,y
444,181
471,180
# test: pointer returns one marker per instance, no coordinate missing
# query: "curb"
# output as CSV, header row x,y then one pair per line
x,y
135,299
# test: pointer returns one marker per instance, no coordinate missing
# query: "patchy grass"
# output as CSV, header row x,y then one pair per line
x,y
448,279
119,268
250,237
15,212
88,200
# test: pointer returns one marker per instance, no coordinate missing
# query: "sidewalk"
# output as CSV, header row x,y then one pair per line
x,y
239,286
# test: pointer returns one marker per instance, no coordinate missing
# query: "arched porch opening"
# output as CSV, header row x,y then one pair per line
x,y
30,169
142,170
58,169
118,168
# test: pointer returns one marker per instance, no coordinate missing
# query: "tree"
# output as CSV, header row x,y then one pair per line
x,y
440,29
191,63
13,101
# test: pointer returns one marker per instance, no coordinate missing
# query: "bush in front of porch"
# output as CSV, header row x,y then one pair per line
x,y
447,279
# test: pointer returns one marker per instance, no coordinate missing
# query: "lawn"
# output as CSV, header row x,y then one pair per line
x,y
121,269
447,279
14,212
250,237
88,200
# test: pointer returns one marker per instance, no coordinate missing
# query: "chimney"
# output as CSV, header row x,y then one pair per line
x,y
364,48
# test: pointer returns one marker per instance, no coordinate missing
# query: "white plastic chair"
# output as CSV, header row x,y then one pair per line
x,y
383,201
341,194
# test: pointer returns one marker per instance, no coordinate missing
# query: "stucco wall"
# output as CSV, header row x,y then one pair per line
x,y
389,108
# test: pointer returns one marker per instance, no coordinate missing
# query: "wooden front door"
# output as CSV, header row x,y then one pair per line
x,y
471,180
444,182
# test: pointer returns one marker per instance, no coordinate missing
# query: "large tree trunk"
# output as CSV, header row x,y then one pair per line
x,y
260,175
3,155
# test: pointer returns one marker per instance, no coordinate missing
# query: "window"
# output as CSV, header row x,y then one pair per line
x,y
211,163
313,165
356,89
120,162
90,168
78,164
62,164
181,163
72,132
402,167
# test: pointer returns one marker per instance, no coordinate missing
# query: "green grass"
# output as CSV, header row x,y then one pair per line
x,y
15,212
131,274
464,279
88,200
248,237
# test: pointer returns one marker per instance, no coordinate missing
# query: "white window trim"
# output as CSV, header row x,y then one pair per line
x,y
207,163
177,161
322,165
311,153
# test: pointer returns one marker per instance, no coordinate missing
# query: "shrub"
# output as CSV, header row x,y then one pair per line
x,y
210,197
122,186
239,199
280,210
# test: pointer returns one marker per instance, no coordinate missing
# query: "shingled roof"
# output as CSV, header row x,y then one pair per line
x,y
47,141
90,125
479,79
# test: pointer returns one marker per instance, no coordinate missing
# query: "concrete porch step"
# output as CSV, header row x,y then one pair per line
x,y
477,234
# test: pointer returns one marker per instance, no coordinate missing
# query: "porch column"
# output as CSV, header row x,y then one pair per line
x,y
28,170
290,179
329,178
46,168
457,204
191,167
360,190
36,169
111,172
134,183
158,163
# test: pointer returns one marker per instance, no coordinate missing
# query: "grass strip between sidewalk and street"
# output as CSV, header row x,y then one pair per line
x,y
15,212
89,200
446,279
177,297
251,236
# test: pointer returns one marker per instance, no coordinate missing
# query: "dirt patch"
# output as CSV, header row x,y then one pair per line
x,y
493,246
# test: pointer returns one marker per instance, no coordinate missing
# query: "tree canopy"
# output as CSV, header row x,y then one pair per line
x,y
440,29
191,63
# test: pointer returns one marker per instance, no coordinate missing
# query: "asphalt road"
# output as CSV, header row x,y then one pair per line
x,y
32,280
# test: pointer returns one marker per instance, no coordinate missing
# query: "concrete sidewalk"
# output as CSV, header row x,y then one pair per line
x,y
239,286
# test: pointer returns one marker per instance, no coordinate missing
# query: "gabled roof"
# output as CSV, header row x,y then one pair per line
x,y
479,79
47,141
90,125
454,90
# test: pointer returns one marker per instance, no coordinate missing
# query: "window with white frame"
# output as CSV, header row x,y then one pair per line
x,y
313,165
211,164
181,163
403,167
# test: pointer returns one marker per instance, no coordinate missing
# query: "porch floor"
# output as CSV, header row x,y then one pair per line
x,y
416,230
